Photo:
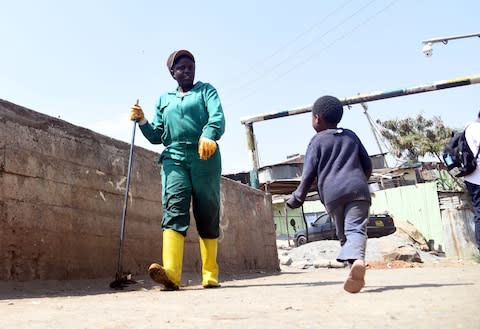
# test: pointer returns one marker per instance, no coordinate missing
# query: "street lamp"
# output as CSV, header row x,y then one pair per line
x,y
427,44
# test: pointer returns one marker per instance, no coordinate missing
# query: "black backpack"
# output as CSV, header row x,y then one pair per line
x,y
458,157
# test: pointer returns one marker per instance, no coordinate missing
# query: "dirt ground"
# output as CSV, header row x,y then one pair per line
x,y
445,295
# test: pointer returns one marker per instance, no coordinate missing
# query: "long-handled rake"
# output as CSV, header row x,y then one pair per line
x,y
123,279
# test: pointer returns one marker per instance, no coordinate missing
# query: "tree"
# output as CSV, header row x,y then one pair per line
x,y
410,138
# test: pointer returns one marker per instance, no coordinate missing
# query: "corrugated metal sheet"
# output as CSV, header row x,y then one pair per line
x,y
417,204
458,224
446,218
459,232
282,216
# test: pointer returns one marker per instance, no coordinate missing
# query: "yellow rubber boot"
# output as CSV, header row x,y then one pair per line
x,y
170,273
208,251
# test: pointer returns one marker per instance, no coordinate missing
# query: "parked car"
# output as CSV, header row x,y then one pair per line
x,y
321,227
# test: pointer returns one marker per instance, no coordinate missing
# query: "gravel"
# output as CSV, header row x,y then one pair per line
x,y
323,253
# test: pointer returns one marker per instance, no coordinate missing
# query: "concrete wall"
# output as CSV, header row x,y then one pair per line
x,y
61,199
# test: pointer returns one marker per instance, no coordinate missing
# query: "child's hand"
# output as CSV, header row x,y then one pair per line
x,y
293,203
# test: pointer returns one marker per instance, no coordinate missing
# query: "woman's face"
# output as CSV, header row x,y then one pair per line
x,y
184,72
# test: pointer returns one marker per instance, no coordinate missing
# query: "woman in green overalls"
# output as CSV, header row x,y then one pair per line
x,y
188,121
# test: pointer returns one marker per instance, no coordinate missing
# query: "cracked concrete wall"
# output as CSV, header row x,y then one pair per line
x,y
61,199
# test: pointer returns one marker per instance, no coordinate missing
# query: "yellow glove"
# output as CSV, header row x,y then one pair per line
x,y
206,148
137,114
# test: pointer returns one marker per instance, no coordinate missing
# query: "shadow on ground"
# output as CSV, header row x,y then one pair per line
x,y
58,288
413,286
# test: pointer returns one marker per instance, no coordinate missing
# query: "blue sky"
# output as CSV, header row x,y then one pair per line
x,y
88,61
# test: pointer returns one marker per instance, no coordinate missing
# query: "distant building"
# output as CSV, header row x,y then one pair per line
x,y
283,178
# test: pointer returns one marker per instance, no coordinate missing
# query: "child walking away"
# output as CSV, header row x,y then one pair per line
x,y
338,161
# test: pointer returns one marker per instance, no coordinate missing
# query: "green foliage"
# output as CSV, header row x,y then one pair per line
x,y
414,137
410,138
447,183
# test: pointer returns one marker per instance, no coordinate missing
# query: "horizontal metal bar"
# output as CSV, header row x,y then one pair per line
x,y
361,98
451,38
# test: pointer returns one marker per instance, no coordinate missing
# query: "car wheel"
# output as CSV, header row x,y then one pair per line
x,y
302,239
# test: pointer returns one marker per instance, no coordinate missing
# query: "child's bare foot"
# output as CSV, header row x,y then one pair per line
x,y
356,278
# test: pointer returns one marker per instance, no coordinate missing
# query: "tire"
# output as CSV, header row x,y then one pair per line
x,y
301,240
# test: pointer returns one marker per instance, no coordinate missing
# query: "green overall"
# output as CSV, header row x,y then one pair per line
x,y
178,123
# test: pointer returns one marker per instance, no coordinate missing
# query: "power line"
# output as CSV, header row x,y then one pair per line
x,y
294,54
296,38
328,46
339,38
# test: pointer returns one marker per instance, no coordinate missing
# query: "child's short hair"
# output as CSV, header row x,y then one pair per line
x,y
329,108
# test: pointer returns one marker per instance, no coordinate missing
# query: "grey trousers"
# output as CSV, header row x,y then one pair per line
x,y
351,220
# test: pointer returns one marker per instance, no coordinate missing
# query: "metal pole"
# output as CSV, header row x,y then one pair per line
x,y
252,155
446,39
361,98
125,205
374,132
375,96
286,222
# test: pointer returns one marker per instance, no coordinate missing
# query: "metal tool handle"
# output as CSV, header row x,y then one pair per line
x,y
125,205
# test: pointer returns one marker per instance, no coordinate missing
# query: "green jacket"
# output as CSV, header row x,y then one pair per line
x,y
181,120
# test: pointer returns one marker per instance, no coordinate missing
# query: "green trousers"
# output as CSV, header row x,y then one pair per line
x,y
188,180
